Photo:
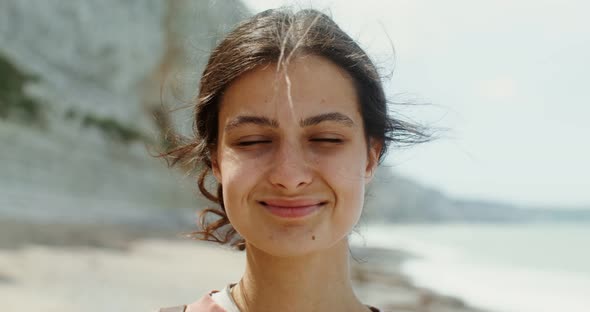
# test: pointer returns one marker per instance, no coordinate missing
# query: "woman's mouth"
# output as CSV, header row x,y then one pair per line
x,y
292,208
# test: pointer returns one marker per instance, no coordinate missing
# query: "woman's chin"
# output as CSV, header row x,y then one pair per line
x,y
285,246
289,246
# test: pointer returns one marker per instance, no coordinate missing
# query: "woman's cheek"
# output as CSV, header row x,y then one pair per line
x,y
341,165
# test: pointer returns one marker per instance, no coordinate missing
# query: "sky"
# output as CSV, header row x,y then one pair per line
x,y
508,80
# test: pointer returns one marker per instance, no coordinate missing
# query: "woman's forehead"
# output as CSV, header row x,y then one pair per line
x,y
310,85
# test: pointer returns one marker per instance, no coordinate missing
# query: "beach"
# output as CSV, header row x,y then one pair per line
x,y
118,267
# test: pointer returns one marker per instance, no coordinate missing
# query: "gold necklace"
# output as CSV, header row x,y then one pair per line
x,y
241,285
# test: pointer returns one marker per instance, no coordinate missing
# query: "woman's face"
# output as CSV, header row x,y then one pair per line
x,y
292,156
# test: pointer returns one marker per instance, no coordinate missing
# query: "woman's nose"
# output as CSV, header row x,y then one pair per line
x,y
290,170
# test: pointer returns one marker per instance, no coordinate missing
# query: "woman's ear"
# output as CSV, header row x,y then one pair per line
x,y
375,147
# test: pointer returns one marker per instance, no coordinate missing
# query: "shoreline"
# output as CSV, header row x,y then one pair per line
x,y
380,280
145,263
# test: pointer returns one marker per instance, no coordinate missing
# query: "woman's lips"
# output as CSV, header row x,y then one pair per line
x,y
292,208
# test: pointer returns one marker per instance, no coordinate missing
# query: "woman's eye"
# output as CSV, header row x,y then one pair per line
x,y
254,142
327,140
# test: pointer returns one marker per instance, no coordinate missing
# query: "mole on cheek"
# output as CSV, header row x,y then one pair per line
x,y
313,237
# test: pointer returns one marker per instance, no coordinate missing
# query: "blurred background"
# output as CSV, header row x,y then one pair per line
x,y
493,215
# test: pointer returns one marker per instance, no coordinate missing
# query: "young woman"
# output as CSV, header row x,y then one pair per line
x,y
292,121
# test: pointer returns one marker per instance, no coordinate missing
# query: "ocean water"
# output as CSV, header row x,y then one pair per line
x,y
500,267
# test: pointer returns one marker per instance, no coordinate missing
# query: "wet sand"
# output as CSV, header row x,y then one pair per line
x,y
100,267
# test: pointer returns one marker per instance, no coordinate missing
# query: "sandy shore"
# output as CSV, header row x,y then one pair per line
x,y
120,268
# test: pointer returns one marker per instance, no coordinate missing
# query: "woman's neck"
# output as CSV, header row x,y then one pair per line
x,y
315,282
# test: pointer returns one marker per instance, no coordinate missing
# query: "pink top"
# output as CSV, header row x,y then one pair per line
x,y
205,304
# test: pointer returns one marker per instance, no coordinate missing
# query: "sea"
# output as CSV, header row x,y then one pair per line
x,y
537,267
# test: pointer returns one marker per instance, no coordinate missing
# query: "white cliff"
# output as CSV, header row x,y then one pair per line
x,y
95,73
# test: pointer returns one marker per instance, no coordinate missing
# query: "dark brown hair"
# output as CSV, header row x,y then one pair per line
x,y
276,36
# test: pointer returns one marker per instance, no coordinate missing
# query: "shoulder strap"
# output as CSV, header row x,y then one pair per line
x,y
181,308
205,304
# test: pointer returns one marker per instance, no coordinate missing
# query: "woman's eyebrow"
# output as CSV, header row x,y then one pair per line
x,y
309,121
256,120
335,116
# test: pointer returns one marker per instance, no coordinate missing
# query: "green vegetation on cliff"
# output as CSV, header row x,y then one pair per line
x,y
14,103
